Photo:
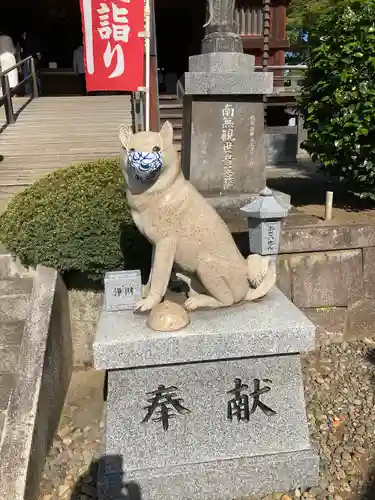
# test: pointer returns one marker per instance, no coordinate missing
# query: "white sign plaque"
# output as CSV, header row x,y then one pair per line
x,y
123,289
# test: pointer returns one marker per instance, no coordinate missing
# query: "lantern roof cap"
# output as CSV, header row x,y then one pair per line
x,y
264,206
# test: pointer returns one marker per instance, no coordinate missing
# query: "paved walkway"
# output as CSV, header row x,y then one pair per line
x,y
14,305
54,132
300,170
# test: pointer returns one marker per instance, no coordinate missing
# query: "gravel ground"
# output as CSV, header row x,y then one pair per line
x,y
339,388
71,468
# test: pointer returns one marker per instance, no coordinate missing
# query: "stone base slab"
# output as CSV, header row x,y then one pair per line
x,y
221,480
233,83
234,202
221,62
270,326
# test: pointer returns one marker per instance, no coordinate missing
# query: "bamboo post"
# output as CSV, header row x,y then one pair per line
x,y
329,204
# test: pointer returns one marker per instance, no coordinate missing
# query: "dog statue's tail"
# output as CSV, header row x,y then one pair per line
x,y
261,272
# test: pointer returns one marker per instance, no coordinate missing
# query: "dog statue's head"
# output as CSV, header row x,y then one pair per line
x,y
148,154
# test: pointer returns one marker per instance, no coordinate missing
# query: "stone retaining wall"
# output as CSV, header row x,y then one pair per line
x,y
326,270
329,273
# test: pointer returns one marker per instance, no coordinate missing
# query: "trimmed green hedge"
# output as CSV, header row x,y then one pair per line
x,y
75,219
338,94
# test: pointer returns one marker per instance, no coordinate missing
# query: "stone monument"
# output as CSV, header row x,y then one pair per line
x,y
223,139
215,410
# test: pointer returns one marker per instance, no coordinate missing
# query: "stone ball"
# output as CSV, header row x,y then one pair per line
x,y
168,317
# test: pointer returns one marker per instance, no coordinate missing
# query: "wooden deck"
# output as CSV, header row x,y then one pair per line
x,y
54,132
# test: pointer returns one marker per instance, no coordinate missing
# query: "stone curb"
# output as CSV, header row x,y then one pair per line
x,y
44,371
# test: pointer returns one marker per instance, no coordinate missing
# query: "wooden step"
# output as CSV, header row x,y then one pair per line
x,y
172,118
54,132
173,106
167,97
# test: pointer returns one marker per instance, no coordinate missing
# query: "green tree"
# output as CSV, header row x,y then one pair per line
x,y
338,94
302,16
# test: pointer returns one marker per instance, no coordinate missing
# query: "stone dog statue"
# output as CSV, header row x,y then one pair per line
x,y
184,228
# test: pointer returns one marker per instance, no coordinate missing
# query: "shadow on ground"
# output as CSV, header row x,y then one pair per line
x,y
115,490
18,108
312,191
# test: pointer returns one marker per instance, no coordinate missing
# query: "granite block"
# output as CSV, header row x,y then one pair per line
x,y
224,480
271,326
223,146
281,147
234,83
326,279
319,238
369,271
221,62
283,275
204,427
236,201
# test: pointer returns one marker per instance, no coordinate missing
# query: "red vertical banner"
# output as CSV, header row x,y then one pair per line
x,y
114,51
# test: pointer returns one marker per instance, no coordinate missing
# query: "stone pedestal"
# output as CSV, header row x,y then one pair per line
x,y
223,149
213,411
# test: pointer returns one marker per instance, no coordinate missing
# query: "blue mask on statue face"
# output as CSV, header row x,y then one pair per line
x,y
144,165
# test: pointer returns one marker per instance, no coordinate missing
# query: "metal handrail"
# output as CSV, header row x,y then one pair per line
x,y
285,67
15,66
290,77
8,92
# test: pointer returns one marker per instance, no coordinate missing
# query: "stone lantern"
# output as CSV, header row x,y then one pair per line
x,y
264,215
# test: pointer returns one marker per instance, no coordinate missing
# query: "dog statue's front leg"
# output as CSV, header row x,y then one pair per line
x,y
146,287
165,251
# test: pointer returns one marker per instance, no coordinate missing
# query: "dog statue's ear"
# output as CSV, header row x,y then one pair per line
x,y
166,134
125,133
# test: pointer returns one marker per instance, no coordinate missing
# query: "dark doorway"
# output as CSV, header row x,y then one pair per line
x,y
179,32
